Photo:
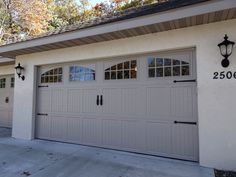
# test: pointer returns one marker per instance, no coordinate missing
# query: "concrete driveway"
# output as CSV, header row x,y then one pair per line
x,y
44,158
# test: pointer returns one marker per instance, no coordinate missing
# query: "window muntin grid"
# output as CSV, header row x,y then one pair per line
x,y
124,70
166,67
52,76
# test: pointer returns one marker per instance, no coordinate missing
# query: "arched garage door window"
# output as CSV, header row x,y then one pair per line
x,y
52,76
124,70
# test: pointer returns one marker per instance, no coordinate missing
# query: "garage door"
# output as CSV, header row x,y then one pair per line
x,y
144,104
6,100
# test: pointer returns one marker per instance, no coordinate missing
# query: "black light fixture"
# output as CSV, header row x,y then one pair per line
x,y
226,49
19,69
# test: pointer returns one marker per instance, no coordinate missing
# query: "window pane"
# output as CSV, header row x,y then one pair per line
x,y
90,77
55,79
127,65
184,63
51,79
167,62
113,67
185,70
167,71
159,72
176,62
81,69
126,74
107,75
159,62
113,75
72,69
51,72
60,71
60,78
151,62
55,71
120,66
151,72
176,71
120,75
46,79
133,74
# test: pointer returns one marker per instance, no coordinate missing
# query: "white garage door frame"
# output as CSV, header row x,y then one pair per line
x,y
109,85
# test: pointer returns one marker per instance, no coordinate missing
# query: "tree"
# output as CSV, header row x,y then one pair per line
x,y
22,18
68,12
32,16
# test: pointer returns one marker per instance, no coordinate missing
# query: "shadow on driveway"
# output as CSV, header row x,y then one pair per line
x,y
5,132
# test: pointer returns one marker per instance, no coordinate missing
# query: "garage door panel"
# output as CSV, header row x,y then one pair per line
x,y
132,102
75,100
58,127
58,100
91,128
4,118
159,102
184,141
133,135
3,96
89,101
159,137
43,128
44,101
182,103
112,133
112,101
75,129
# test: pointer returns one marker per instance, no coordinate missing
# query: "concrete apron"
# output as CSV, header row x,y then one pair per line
x,y
40,158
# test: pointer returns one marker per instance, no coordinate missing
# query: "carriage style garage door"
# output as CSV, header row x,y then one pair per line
x,y
144,104
6,100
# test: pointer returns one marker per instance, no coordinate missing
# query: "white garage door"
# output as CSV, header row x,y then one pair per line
x,y
144,104
6,100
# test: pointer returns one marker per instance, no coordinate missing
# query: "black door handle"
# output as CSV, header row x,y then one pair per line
x,y
101,100
6,100
97,101
191,123
42,114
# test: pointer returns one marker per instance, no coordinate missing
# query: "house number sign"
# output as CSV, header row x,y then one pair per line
x,y
224,75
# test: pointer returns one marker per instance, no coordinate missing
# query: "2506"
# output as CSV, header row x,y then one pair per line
x,y
224,75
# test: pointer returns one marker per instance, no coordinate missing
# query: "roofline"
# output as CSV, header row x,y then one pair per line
x,y
170,15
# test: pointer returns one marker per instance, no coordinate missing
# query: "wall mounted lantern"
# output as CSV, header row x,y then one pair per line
x,y
19,70
226,49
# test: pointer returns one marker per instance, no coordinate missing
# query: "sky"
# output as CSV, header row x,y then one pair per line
x,y
94,2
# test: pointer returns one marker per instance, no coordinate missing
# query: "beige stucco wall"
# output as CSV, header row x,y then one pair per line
x,y
216,98
6,70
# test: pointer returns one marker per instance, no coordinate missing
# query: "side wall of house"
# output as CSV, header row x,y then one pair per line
x,y
216,98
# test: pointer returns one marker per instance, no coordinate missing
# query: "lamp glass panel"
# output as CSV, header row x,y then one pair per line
x,y
18,70
229,49
223,50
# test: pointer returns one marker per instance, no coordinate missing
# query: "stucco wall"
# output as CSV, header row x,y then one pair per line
x,y
216,98
6,70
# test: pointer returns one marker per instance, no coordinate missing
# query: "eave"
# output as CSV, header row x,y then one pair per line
x,y
186,16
